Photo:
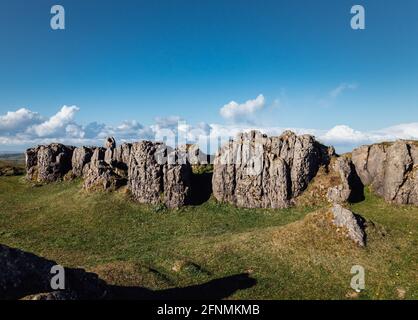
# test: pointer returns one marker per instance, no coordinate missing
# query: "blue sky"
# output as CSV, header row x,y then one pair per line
x,y
141,60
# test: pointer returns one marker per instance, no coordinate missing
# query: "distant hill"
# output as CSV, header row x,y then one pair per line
x,y
12,156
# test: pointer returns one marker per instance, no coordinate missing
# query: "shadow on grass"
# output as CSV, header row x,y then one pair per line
x,y
24,274
213,290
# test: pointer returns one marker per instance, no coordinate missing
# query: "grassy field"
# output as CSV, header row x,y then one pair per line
x,y
292,253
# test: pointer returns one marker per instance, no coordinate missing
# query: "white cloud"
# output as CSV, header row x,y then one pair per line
x,y
17,121
341,88
26,128
241,112
332,96
57,124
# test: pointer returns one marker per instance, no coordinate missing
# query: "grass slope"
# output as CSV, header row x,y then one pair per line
x,y
291,253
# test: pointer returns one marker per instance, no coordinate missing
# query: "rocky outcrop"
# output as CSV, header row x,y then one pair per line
x,y
48,163
156,176
256,171
349,223
110,143
81,157
391,170
99,174
351,188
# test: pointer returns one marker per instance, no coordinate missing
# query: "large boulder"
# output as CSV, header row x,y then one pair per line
x,y
48,163
256,171
350,224
156,176
391,169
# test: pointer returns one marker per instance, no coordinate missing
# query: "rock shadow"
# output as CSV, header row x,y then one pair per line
x,y
201,188
357,187
213,290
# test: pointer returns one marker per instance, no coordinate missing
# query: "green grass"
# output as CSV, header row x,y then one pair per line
x,y
291,253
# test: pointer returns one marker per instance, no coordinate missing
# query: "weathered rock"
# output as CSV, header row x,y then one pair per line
x,y
351,224
257,171
99,175
31,163
110,143
194,155
391,169
177,181
120,159
351,187
122,153
81,157
23,274
51,164
157,177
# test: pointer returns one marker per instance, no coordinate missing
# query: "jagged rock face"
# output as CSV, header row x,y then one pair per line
x,y
99,174
390,169
194,155
352,225
81,157
256,171
156,177
351,187
122,153
120,159
48,163
110,143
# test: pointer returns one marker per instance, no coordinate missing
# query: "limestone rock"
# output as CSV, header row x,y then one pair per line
x,y
48,163
110,143
391,169
81,157
120,159
351,187
194,155
99,174
349,223
256,171
156,176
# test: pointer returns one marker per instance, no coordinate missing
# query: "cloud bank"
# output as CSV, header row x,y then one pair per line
x,y
242,112
24,128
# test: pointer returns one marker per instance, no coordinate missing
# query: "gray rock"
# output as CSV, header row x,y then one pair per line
x,y
256,171
100,175
81,157
351,187
120,159
350,223
391,169
110,143
156,177
48,163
